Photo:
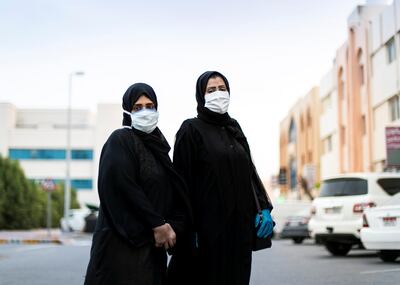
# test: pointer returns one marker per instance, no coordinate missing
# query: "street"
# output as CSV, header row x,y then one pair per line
x,y
284,263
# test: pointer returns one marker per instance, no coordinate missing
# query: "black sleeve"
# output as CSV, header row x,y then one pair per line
x,y
263,198
185,161
185,156
178,218
121,198
262,194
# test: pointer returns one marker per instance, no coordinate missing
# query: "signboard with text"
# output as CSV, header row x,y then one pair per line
x,y
48,185
393,146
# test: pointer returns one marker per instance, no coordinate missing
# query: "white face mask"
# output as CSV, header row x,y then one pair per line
x,y
217,101
144,120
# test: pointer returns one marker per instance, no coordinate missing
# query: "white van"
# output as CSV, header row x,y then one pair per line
x,y
336,218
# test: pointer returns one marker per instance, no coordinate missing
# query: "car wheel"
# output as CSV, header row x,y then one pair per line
x,y
338,249
389,255
298,240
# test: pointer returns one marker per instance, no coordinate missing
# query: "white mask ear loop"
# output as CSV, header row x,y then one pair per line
x,y
130,115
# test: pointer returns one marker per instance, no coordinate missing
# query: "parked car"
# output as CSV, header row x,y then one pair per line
x,y
336,218
79,220
296,227
381,229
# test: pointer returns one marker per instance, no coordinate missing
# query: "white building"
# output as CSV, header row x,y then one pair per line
x,y
384,46
328,126
37,139
349,121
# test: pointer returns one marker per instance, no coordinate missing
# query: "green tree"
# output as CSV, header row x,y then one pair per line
x,y
19,198
57,203
23,202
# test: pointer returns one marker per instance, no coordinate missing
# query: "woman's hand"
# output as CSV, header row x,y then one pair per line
x,y
265,224
164,236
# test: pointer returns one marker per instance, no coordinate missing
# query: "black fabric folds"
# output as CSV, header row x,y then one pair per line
x,y
212,154
138,190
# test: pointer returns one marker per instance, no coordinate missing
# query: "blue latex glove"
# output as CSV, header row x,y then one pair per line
x,y
265,224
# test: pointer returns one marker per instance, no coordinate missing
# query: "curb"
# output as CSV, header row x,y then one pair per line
x,y
31,241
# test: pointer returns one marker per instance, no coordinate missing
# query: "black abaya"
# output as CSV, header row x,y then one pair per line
x,y
212,154
139,190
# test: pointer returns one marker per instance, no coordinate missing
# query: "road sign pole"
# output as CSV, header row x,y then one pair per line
x,y
49,186
49,213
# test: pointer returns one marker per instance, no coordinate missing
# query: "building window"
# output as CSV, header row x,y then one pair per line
x,y
301,124
394,108
326,103
82,154
363,125
360,68
292,132
49,154
327,144
82,184
309,120
391,50
343,135
293,174
309,156
341,89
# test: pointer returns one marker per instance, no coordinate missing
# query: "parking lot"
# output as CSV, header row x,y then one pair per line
x,y
284,263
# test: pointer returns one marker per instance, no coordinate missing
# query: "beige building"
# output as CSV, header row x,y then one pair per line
x,y
329,135
357,99
385,78
300,145
364,92
352,71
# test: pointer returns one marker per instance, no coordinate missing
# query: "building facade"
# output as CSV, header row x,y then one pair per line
x,y
359,98
385,78
37,138
300,146
329,134
352,68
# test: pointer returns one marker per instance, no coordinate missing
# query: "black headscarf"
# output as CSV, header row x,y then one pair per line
x,y
204,113
131,95
231,125
211,117
155,141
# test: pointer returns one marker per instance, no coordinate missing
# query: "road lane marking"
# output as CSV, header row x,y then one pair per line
x,y
380,271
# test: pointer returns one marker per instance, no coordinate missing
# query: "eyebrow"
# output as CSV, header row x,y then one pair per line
x,y
140,104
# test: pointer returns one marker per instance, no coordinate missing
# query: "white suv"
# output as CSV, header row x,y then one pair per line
x,y
336,218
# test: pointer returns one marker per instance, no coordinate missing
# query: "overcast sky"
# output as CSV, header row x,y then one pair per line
x,y
272,52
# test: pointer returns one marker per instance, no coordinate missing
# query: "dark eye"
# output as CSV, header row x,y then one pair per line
x,y
150,106
137,108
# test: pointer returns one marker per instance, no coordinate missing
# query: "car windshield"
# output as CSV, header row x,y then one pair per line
x,y
390,185
344,187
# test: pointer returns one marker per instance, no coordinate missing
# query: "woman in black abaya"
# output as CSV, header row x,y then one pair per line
x,y
212,154
143,204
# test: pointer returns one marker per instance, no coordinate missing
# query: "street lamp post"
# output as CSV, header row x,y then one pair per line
x,y
67,190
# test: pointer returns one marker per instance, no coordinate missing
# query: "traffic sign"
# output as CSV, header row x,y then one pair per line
x,y
48,185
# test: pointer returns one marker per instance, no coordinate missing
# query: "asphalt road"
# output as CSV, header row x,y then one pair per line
x,y
284,263
287,263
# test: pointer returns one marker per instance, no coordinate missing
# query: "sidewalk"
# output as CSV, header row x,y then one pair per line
x,y
37,236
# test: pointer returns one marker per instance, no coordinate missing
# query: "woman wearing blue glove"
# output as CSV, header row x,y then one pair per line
x,y
213,156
